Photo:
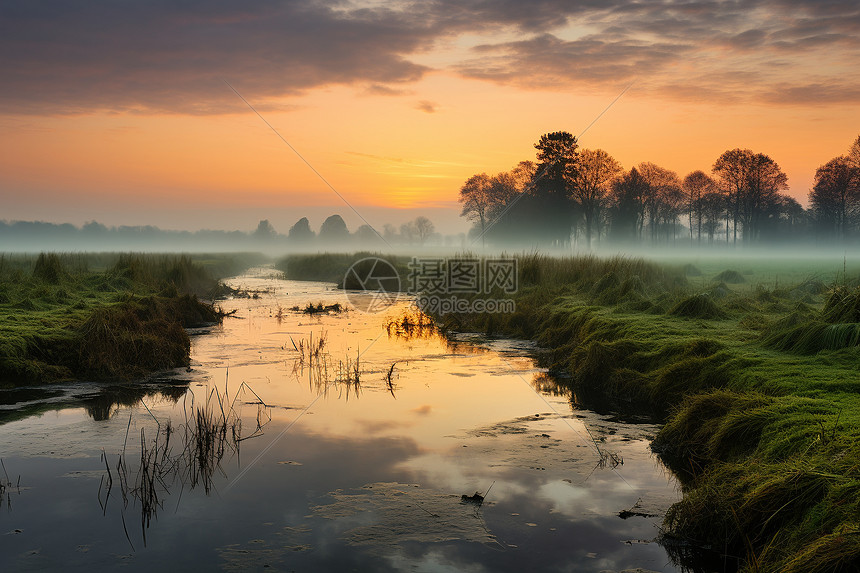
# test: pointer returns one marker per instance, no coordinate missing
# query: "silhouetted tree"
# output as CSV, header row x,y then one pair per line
x,y
629,195
423,229
366,235
301,232
696,185
477,200
753,182
732,171
389,233
550,203
713,206
835,197
265,231
591,183
854,153
333,230
663,198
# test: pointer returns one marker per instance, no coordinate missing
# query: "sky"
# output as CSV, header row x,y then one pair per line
x,y
165,112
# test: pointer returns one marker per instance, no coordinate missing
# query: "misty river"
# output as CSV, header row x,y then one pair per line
x,y
336,441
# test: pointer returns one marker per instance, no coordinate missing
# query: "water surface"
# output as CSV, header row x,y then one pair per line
x,y
325,473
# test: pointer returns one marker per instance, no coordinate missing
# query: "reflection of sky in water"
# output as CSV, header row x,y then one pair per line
x,y
369,483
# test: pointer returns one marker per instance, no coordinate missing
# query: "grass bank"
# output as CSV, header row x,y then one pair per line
x,y
106,316
755,376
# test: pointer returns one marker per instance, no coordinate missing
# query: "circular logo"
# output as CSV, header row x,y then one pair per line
x,y
372,284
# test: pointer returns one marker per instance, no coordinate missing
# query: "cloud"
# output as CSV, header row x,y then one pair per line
x,y
426,106
769,51
163,56
383,90
166,56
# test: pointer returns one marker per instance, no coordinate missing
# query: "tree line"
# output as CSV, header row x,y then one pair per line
x,y
333,233
584,196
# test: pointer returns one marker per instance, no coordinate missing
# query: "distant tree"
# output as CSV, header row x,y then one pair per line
x,y
713,208
334,230
389,233
366,235
763,198
753,182
662,198
854,153
591,184
487,201
477,200
696,185
408,232
506,191
835,197
94,229
732,171
628,199
301,232
424,228
265,231
557,155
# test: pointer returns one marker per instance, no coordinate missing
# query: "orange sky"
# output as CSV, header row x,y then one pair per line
x,y
399,136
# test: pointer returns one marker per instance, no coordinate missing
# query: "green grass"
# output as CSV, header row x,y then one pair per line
x,y
109,316
757,382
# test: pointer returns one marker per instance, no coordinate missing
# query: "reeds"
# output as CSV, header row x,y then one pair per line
x,y
319,308
6,487
323,373
412,323
210,431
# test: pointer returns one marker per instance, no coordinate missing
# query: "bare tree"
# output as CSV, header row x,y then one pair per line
x,y
835,197
423,229
752,181
476,199
592,182
732,171
629,198
661,200
696,185
714,207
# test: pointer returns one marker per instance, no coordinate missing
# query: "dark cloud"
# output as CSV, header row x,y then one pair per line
x,y
170,56
153,56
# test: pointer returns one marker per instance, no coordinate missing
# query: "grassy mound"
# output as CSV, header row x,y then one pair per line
x,y
59,320
698,306
731,277
842,305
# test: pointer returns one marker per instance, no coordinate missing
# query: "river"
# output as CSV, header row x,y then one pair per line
x,y
370,451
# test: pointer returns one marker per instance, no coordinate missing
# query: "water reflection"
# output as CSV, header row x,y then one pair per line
x,y
323,371
213,429
331,483
99,401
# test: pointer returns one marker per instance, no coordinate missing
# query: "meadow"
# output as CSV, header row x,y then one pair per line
x,y
753,368
103,316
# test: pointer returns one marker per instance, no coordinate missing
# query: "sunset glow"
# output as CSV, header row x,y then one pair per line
x,y
125,117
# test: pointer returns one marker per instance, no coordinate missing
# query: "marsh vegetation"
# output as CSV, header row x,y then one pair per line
x,y
97,317
752,367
